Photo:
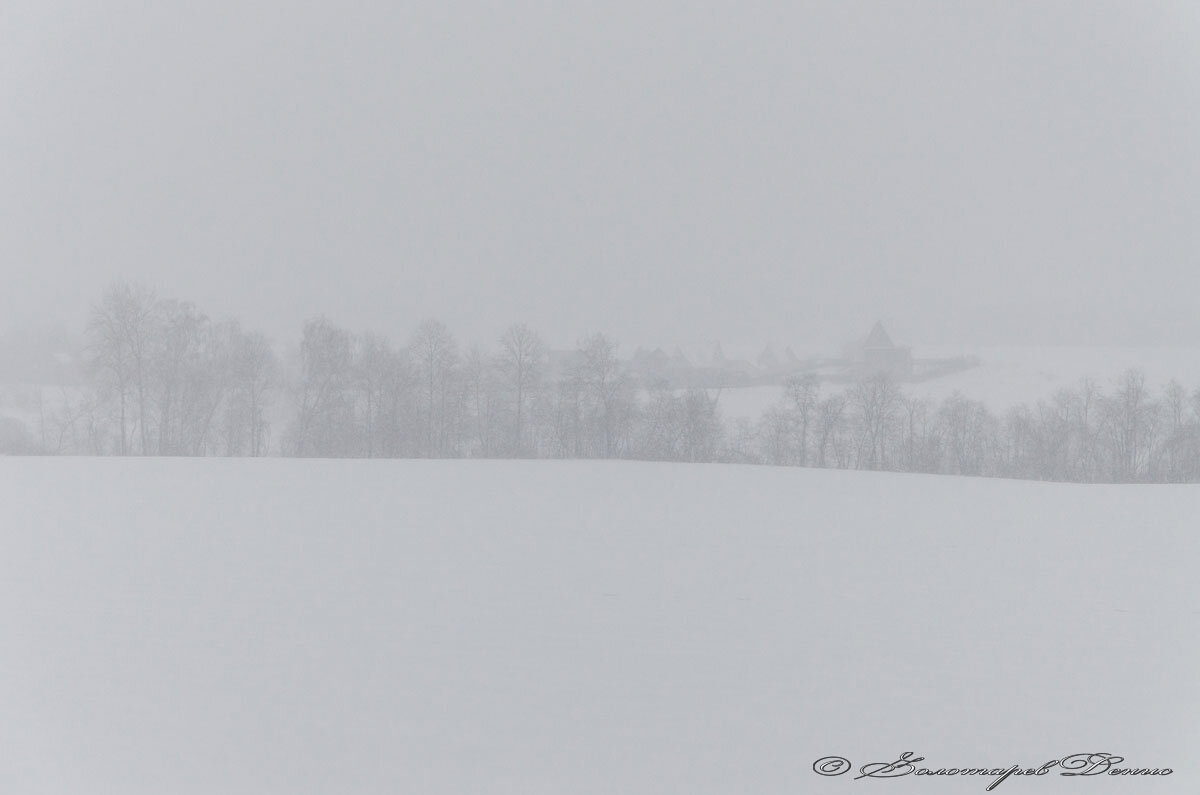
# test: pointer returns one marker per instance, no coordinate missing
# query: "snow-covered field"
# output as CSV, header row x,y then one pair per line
x,y
1007,377
304,626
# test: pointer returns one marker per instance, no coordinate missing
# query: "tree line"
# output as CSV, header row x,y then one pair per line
x,y
164,379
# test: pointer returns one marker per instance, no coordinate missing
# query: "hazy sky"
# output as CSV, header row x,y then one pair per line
x,y
661,170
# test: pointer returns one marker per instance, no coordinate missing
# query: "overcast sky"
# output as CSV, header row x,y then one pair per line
x,y
661,170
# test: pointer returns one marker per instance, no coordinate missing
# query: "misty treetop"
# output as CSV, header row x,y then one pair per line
x,y
162,378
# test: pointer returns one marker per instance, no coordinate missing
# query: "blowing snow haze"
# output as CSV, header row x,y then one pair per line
x,y
998,173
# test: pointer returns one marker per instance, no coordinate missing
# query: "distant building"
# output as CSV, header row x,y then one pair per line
x,y
879,354
767,360
650,365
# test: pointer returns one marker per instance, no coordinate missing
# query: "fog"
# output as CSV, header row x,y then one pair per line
x,y
751,172
628,397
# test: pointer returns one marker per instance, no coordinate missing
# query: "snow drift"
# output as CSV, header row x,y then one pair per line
x,y
303,626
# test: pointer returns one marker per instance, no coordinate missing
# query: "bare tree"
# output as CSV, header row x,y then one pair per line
x,y
775,433
253,371
915,435
606,390
175,356
326,371
1130,419
965,426
373,361
1177,433
119,331
830,418
436,353
480,377
522,356
800,393
875,400
701,425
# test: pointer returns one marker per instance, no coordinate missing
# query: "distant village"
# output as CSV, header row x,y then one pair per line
x,y
707,366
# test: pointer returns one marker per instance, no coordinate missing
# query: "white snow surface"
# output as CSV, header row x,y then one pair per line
x,y
305,626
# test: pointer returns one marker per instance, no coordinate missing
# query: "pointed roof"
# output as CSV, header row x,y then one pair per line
x,y
878,338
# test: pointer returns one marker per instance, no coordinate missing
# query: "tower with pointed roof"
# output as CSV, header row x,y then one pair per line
x,y
880,354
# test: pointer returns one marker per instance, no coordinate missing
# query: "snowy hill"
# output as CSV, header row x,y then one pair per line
x,y
284,626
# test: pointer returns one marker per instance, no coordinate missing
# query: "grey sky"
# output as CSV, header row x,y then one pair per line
x,y
749,171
